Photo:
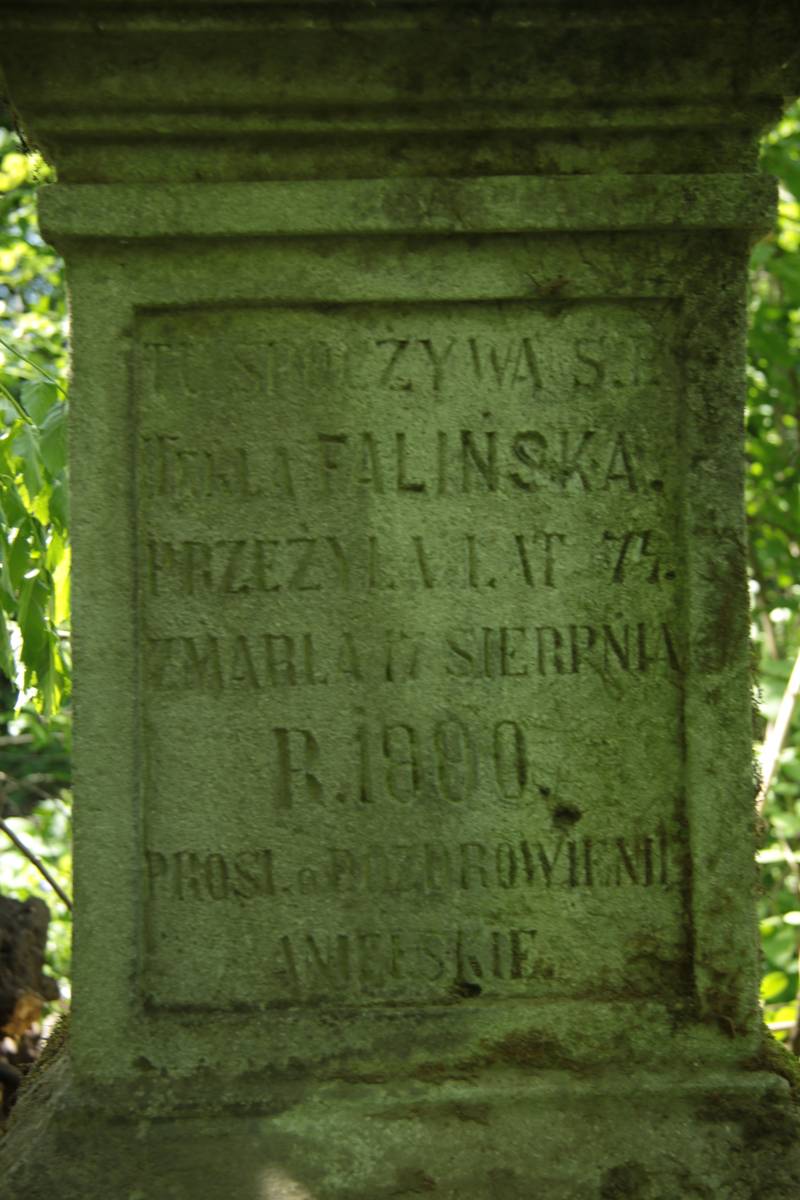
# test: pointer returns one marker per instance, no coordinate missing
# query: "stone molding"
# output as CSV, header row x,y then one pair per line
x,y
193,90
395,206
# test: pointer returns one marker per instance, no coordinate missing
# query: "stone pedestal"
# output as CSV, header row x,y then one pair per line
x,y
414,804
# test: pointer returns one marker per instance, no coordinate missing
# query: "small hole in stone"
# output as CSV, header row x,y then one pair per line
x,y
467,989
566,815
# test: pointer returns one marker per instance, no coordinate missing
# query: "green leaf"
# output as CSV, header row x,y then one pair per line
x,y
14,510
55,551
61,591
41,506
53,444
59,503
12,400
9,592
773,984
780,949
19,558
34,627
26,448
38,397
7,665
50,680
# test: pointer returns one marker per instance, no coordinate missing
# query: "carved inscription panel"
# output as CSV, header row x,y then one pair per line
x,y
412,652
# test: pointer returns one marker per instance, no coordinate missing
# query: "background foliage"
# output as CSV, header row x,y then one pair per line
x,y
34,550
773,514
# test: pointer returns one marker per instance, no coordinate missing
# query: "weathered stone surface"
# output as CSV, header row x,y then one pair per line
x,y
411,626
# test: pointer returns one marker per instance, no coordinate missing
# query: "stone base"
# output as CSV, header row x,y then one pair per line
x,y
502,1136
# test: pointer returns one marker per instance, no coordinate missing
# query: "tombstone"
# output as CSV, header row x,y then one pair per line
x,y
414,803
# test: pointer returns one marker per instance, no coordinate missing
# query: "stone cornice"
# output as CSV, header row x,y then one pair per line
x,y
400,206
256,89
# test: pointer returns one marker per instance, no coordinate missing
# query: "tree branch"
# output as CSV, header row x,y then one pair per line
x,y
776,736
37,862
